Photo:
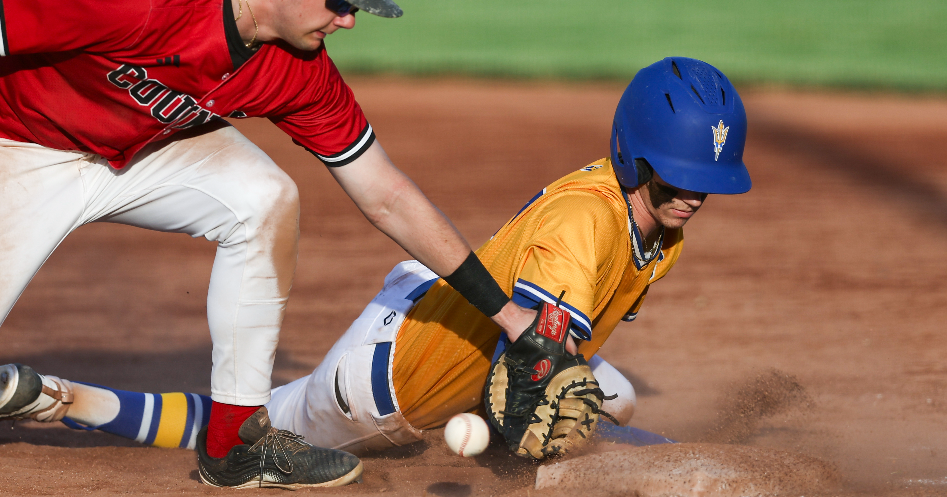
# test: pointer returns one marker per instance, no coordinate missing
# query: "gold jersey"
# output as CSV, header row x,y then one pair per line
x,y
576,236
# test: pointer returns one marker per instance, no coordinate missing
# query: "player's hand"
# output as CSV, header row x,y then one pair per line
x,y
543,400
514,320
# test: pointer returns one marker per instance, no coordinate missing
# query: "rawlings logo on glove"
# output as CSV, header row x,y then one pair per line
x,y
553,323
542,369
542,399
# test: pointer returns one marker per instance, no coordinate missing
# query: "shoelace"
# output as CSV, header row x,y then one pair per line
x,y
274,440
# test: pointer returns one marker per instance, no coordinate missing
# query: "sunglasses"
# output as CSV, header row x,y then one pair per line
x,y
671,192
341,7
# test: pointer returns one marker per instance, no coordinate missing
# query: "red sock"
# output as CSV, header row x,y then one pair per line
x,y
225,421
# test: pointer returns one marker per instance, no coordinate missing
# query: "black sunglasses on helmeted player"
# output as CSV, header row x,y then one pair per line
x,y
341,7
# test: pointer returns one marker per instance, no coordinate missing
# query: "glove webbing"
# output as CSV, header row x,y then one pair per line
x,y
534,418
596,391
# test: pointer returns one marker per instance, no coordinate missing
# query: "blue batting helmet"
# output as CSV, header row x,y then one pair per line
x,y
683,118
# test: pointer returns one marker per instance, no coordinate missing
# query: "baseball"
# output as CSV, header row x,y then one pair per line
x,y
467,434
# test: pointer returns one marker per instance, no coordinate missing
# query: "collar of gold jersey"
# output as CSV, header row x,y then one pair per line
x,y
642,255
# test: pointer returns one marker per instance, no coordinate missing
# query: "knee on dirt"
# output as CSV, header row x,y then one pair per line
x,y
613,382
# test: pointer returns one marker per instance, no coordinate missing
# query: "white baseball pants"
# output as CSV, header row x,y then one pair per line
x,y
349,402
210,182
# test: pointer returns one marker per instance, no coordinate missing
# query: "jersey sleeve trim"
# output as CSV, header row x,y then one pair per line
x,y
352,152
4,46
524,291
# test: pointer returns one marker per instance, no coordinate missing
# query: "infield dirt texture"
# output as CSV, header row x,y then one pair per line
x,y
806,316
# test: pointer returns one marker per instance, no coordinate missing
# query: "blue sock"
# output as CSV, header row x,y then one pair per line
x,y
162,420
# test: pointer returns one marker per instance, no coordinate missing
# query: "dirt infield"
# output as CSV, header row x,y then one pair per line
x,y
690,469
806,316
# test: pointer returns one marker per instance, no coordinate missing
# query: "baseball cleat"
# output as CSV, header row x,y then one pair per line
x,y
275,458
26,394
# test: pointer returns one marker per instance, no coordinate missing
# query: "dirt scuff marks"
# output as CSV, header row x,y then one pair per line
x,y
765,395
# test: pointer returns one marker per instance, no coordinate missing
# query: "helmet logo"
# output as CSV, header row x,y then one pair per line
x,y
720,137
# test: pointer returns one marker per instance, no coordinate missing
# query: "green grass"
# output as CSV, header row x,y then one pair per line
x,y
866,43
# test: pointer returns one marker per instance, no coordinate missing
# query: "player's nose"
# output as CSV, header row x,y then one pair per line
x,y
345,22
693,199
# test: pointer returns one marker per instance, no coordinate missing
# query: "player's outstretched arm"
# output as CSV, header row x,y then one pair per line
x,y
395,205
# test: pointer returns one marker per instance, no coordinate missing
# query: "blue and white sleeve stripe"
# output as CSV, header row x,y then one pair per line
x,y
528,294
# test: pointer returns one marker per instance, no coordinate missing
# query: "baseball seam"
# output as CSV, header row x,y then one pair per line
x,y
467,430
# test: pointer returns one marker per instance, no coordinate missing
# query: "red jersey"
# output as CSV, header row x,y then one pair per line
x,y
111,77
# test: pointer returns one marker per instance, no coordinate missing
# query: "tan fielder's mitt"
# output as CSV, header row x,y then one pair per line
x,y
542,399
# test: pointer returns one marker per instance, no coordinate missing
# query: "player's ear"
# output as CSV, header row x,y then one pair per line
x,y
644,170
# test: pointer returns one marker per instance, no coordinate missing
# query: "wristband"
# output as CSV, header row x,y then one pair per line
x,y
477,285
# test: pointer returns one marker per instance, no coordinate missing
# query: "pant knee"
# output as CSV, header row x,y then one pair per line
x,y
622,408
274,203
612,382
267,231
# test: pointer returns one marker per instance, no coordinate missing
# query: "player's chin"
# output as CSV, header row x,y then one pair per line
x,y
674,222
308,43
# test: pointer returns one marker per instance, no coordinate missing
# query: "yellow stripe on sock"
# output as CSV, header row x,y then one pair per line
x,y
173,420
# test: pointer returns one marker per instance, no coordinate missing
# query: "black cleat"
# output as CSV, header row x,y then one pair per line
x,y
275,458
